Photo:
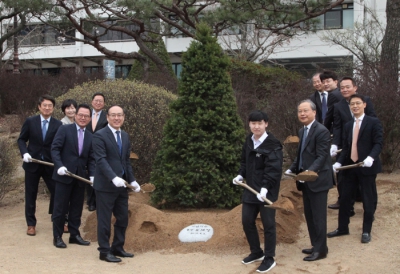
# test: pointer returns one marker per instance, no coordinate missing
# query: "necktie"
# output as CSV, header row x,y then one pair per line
x,y
119,143
94,121
80,141
354,152
303,142
324,106
44,129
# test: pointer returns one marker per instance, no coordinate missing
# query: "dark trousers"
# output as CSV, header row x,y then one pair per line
x,y
109,203
315,212
68,198
352,179
356,193
90,196
31,191
249,215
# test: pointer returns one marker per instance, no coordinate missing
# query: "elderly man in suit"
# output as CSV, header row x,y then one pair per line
x,y
112,149
330,81
313,155
98,121
319,98
34,141
342,115
362,142
71,151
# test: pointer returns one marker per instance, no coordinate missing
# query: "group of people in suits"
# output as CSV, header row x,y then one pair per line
x,y
92,146
356,130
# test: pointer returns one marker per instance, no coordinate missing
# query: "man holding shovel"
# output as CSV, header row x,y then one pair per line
x,y
71,151
261,166
362,143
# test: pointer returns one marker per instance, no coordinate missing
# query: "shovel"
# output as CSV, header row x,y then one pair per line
x,y
270,204
350,166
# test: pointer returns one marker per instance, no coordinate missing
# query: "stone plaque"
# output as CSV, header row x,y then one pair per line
x,y
196,233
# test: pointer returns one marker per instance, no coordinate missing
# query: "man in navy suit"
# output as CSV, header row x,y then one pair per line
x,y
319,98
330,81
362,142
112,149
71,151
34,141
98,121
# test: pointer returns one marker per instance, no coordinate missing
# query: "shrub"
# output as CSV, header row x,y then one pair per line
x,y
202,141
8,164
146,109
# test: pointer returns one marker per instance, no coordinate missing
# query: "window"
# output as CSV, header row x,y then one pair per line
x,y
341,17
122,71
177,68
35,35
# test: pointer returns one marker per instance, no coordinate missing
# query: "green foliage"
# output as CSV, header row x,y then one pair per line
x,y
146,110
8,164
156,77
202,141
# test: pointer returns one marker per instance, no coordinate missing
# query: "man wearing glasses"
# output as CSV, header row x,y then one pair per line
x,y
72,153
99,121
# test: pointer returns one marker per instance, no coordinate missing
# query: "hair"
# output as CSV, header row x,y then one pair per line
x,y
357,96
258,115
67,103
313,107
349,78
108,111
84,106
316,74
99,94
328,74
46,97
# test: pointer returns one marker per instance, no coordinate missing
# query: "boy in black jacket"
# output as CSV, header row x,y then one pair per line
x,y
261,165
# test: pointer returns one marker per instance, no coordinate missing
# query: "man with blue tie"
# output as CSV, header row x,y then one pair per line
x,y
34,141
112,149
319,98
71,152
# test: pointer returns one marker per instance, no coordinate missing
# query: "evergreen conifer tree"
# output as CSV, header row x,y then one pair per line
x,y
202,140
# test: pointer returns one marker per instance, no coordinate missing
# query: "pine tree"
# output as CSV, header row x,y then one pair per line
x,y
202,140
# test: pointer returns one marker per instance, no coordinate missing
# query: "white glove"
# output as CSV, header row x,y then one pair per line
x,y
262,194
62,171
91,180
118,182
334,149
136,186
335,166
237,178
288,172
27,158
368,162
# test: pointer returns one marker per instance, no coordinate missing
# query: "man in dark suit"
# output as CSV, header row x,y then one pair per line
x,y
112,149
313,155
34,141
362,143
330,81
319,98
71,151
98,121
342,115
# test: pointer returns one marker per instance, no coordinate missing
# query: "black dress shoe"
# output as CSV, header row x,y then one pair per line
x,y
92,208
315,256
122,254
365,238
307,251
334,206
337,233
108,257
78,240
58,242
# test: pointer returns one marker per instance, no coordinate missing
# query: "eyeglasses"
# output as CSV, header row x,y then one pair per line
x,y
113,115
98,101
80,115
356,103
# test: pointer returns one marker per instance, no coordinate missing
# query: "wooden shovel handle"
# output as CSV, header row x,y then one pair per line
x,y
252,190
350,166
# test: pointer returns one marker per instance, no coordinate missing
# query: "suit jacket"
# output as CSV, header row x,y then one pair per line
x,y
109,163
101,123
31,132
333,97
316,99
65,152
342,115
369,143
316,157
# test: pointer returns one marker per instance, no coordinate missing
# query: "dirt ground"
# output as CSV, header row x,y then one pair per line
x,y
152,236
